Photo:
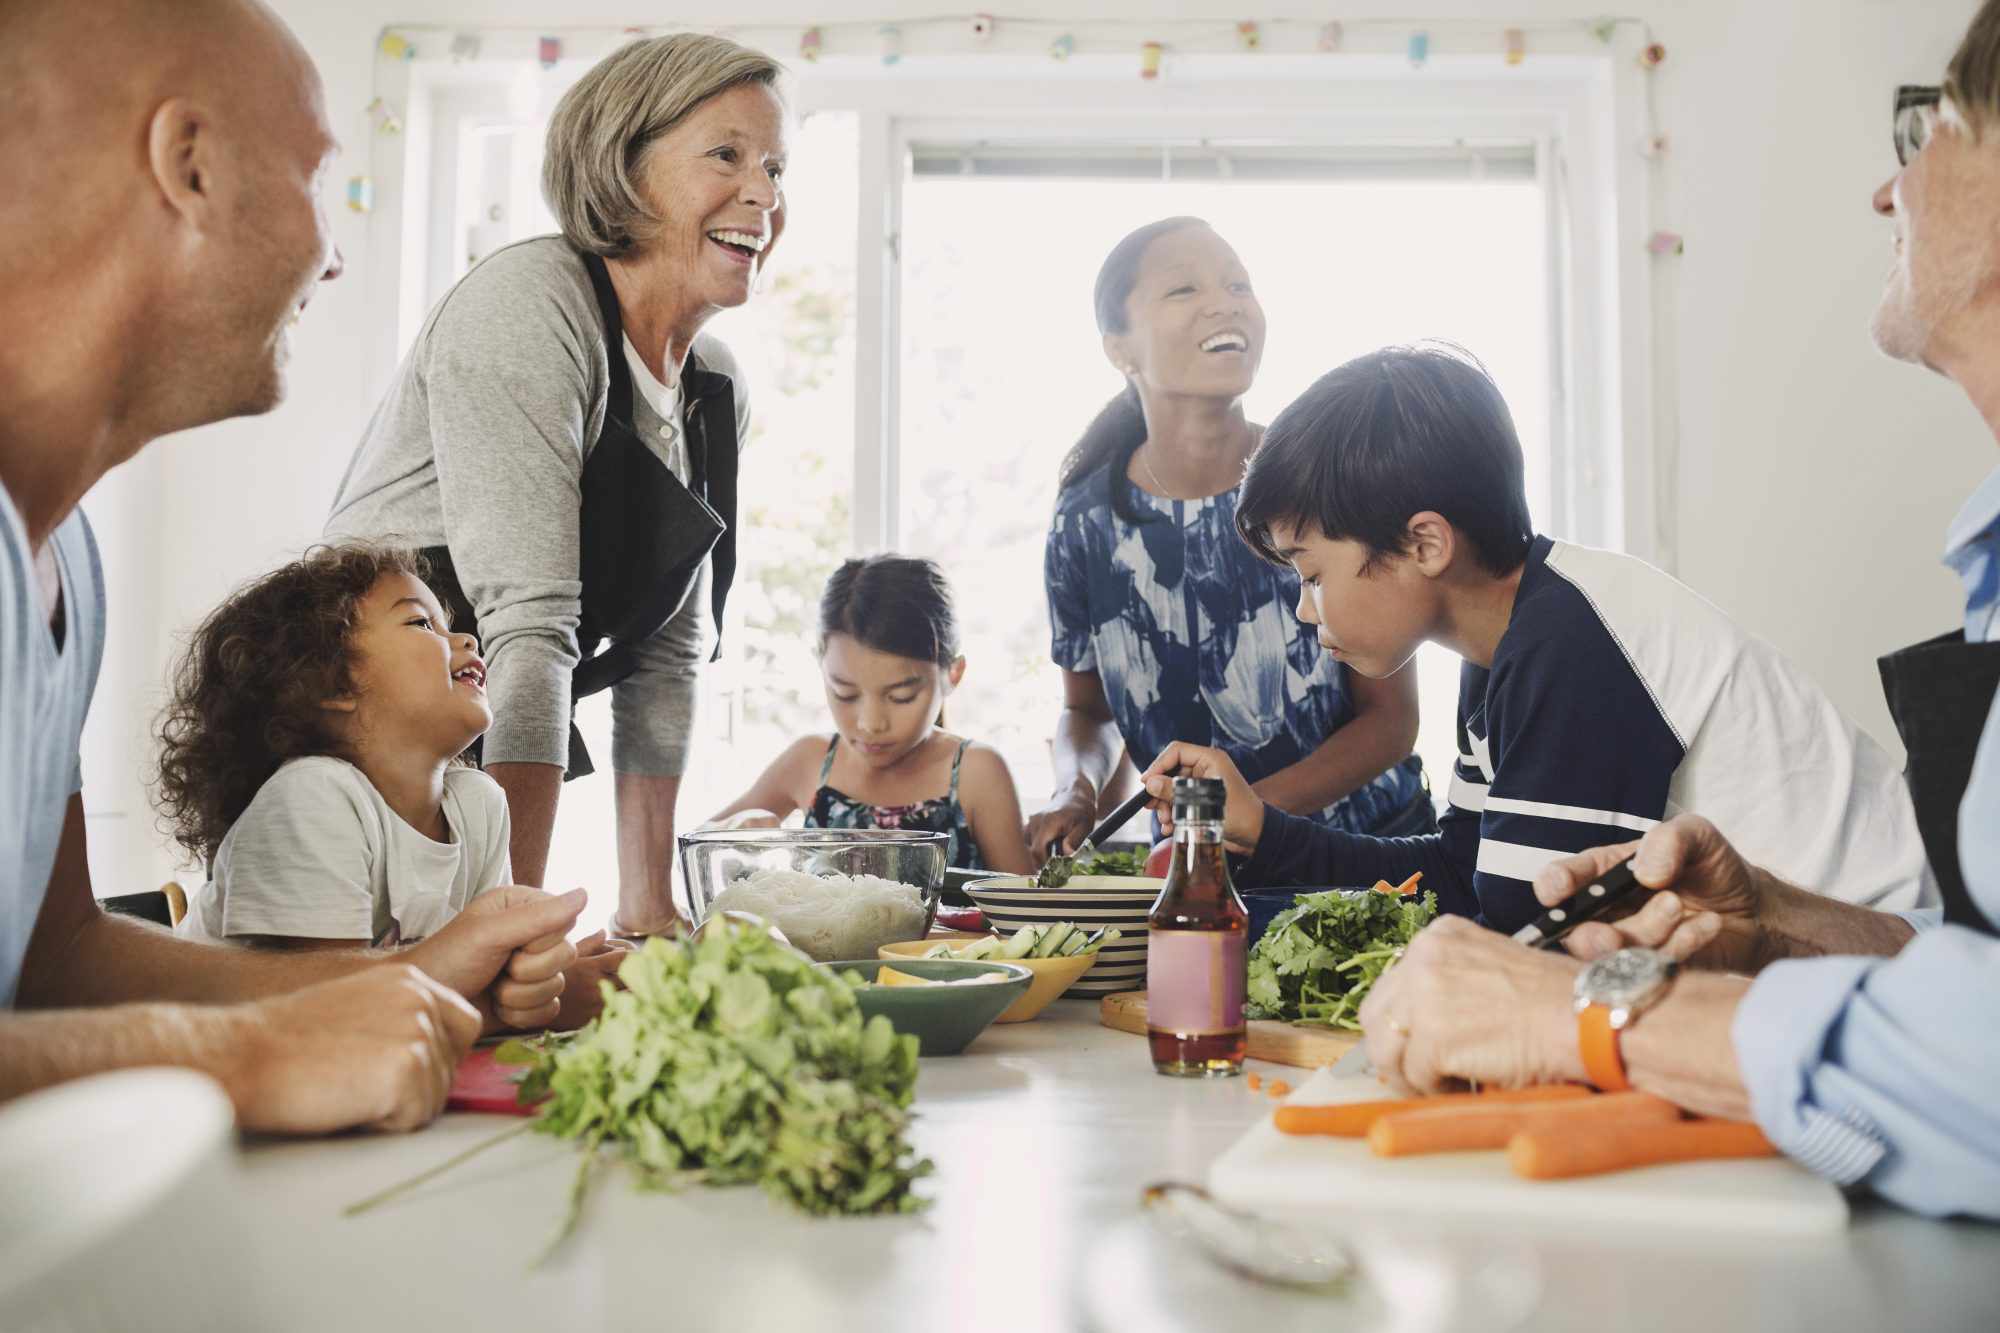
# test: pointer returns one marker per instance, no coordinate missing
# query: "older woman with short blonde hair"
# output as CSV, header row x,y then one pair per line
x,y
562,438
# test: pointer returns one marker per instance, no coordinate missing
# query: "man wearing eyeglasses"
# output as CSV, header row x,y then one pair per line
x,y
1867,1046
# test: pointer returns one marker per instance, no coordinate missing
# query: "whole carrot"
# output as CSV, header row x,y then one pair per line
x,y
1465,1127
1354,1119
1556,1154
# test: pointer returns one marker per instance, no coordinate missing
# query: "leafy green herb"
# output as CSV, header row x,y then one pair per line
x,y
1317,959
1114,863
732,1059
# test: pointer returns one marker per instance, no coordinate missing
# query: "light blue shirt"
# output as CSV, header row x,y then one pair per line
x,y
44,693
1886,1072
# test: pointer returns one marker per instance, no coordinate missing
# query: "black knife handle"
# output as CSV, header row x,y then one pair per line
x,y
1589,903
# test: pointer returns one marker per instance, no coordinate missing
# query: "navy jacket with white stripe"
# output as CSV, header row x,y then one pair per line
x,y
1618,697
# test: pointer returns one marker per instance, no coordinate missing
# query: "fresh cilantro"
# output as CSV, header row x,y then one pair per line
x,y
1319,956
729,1060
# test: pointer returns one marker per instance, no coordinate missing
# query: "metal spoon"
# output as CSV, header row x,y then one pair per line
x,y
1263,1248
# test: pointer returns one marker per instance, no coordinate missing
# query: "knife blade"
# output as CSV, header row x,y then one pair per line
x,y
1355,1064
1598,897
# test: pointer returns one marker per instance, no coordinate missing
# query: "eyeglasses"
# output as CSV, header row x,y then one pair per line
x,y
1916,117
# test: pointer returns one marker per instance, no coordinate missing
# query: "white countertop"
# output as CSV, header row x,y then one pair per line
x,y
1043,1134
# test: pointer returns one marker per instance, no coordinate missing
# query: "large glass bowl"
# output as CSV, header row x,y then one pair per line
x,y
714,859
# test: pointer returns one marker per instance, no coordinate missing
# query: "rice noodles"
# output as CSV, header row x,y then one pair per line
x,y
829,917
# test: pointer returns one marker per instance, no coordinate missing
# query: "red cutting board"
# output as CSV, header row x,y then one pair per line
x,y
483,1084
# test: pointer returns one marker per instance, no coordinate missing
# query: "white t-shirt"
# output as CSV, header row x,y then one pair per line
x,y
320,855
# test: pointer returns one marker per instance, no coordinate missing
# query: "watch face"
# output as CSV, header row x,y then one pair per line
x,y
1624,979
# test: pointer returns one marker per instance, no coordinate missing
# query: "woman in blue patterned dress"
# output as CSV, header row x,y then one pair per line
x,y
1166,626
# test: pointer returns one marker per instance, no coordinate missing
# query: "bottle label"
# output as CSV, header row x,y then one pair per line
x,y
1194,981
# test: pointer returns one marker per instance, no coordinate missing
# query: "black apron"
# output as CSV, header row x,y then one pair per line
x,y
1940,693
643,534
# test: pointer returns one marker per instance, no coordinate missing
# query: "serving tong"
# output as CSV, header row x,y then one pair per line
x,y
1056,871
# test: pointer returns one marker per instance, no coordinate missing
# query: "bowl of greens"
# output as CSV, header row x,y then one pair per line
x,y
1013,903
943,1002
1055,956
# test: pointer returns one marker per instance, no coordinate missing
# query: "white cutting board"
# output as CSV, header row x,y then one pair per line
x,y
1319,1176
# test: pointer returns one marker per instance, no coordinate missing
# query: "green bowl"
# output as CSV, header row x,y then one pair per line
x,y
943,1019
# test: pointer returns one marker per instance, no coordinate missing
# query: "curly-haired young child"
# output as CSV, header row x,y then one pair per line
x,y
308,758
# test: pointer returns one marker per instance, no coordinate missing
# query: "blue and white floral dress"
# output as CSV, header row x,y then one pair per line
x,y
1196,640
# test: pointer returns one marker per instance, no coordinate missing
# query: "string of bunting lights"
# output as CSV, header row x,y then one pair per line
x,y
1151,47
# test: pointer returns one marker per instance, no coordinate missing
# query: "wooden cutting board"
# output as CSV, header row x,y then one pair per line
x,y
1280,1043
1317,1177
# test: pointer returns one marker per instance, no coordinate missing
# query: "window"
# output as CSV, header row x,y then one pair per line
x,y
1002,366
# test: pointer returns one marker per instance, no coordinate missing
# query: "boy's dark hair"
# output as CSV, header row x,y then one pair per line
x,y
247,694
1119,428
895,604
1386,436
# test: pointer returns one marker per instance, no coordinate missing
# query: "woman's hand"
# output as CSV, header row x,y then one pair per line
x,y
1066,820
1243,812
1467,1005
1707,904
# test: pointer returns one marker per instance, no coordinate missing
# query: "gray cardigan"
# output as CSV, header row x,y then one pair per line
x,y
479,445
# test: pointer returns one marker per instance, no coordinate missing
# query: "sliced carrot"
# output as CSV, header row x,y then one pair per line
x,y
1554,1154
1277,1087
1354,1119
1383,886
1255,1081
1409,886
1465,1127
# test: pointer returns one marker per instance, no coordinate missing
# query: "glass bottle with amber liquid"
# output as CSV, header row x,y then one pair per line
x,y
1195,940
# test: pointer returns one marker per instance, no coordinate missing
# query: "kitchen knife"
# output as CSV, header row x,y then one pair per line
x,y
1600,896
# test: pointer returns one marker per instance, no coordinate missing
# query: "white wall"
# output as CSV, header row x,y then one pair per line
x,y
1813,478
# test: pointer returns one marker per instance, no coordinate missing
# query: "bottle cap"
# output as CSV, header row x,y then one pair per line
x,y
1198,798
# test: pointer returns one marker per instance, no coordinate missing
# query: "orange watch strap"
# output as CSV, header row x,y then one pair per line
x,y
1597,1041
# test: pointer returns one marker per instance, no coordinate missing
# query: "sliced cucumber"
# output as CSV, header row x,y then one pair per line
x,y
1077,943
1052,939
984,947
1021,945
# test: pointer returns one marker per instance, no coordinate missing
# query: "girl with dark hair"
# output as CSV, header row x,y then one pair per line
x,y
889,651
1166,626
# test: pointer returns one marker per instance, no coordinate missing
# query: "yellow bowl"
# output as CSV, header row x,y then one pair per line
x,y
1048,977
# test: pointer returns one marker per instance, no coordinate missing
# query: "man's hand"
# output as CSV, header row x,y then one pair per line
x,y
1243,812
1466,1005
374,1050
468,952
1065,821
1707,904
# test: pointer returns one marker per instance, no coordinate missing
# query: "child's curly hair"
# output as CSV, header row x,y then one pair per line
x,y
248,693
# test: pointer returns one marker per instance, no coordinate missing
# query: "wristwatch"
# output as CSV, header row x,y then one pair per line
x,y
1610,993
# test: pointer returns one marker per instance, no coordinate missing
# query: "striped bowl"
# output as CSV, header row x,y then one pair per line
x,y
1012,901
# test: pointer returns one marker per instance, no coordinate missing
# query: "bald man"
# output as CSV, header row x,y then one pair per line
x,y
160,232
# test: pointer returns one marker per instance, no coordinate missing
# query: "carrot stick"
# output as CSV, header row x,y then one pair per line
x,y
1383,886
1550,1154
1352,1120
1409,886
1490,1125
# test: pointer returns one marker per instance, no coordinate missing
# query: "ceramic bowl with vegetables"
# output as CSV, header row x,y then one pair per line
x,y
1092,902
835,893
1055,957
943,1002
